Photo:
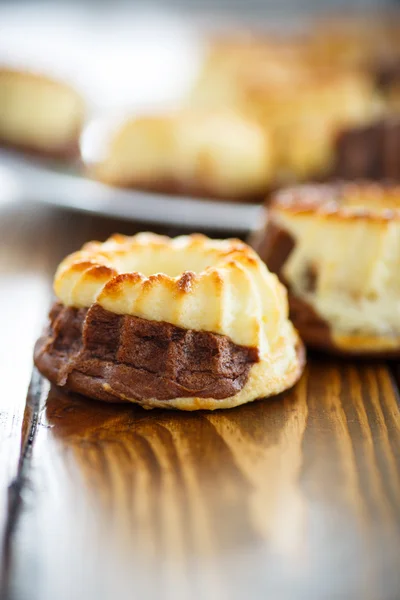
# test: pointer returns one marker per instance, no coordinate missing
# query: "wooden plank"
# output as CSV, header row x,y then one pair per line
x,y
297,497
32,241
24,291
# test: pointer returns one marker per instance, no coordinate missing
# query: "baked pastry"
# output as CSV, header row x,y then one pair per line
x,y
189,323
304,125
369,151
218,154
337,248
257,78
243,58
39,114
306,134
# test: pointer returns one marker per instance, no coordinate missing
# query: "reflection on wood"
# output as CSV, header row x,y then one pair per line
x,y
295,493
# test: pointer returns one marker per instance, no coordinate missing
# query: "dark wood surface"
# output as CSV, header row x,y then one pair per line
x,y
292,498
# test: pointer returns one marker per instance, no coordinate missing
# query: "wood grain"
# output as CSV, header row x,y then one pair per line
x,y
291,498
33,239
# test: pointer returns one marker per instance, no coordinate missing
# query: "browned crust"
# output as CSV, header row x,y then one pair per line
x,y
95,264
329,200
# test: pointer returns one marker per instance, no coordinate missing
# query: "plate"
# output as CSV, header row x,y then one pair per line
x,y
47,184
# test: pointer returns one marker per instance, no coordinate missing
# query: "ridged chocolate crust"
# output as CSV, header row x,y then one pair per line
x,y
119,358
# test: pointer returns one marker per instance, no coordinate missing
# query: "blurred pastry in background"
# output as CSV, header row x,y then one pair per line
x,y
216,154
356,40
240,57
370,44
188,323
39,114
388,82
306,116
370,151
337,249
301,102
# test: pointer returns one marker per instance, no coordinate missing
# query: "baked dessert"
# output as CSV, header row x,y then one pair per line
x,y
244,57
189,323
370,151
337,248
39,114
329,103
220,154
258,78
370,44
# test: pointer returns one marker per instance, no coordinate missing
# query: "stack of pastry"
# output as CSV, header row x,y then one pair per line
x,y
302,101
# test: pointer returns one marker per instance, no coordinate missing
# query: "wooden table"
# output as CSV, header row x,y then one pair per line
x,y
292,498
